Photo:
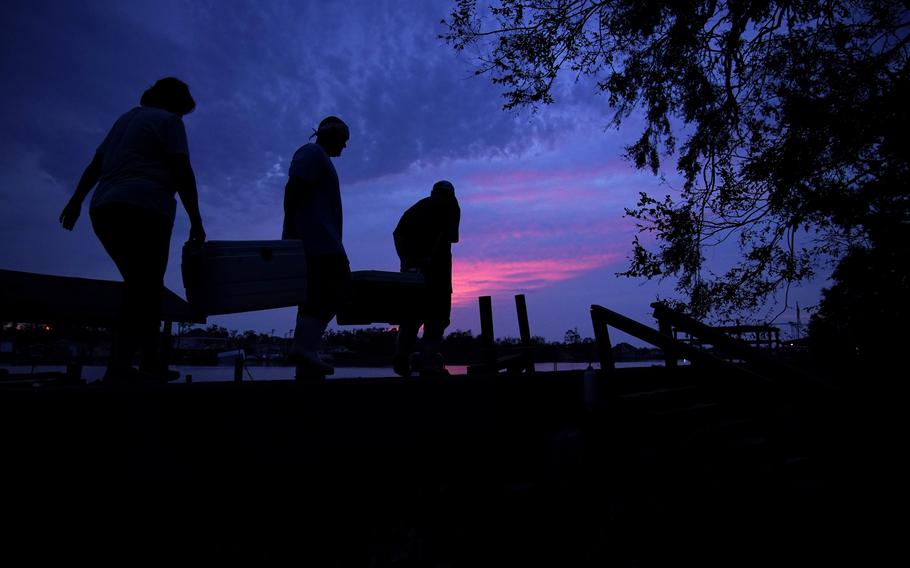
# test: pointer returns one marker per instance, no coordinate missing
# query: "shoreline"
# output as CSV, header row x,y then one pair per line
x,y
225,373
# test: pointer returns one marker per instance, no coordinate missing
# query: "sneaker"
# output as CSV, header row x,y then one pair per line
x,y
430,365
436,372
164,375
129,376
309,363
169,375
304,373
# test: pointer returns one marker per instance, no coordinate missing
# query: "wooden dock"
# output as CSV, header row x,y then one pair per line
x,y
668,466
735,460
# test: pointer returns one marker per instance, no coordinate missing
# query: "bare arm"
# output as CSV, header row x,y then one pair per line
x,y
89,179
185,179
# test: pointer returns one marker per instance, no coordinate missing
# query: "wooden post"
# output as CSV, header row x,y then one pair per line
x,y
488,344
238,369
524,329
670,354
165,350
602,338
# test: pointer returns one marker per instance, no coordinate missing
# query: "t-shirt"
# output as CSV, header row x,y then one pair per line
x,y
312,202
135,169
424,237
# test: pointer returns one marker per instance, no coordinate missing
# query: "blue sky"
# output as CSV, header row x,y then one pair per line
x,y
542,193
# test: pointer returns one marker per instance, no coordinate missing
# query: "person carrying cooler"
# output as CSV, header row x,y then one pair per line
x,y
313,214
423,241
139,166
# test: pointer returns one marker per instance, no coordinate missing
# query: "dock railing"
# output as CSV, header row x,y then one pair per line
x,y
602,319
759,359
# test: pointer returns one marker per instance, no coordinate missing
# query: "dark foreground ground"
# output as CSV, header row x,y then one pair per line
x,y
671,467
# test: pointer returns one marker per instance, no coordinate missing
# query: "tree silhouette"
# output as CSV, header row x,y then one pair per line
x,y
863,316
787,122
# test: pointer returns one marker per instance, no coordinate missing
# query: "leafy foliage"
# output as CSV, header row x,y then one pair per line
x,y
863,316
787,121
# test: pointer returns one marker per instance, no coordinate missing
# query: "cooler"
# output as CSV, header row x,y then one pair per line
x,y
225,277
382,297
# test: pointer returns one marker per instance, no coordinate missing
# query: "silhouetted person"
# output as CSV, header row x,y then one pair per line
x,y
139,166
423,240
312,213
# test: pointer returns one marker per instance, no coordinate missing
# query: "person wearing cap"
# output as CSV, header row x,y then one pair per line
x,y
423,241
313,214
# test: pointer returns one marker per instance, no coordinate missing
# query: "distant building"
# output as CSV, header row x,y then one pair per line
x,y
202,343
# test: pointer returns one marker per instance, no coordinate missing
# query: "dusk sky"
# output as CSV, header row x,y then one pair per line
x,y
542,194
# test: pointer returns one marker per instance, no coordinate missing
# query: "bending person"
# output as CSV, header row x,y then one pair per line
x,y
423,241
139,166
313,214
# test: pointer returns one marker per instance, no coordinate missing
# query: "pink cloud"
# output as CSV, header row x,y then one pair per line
x,y
536,184
546,188
559,238
483,277
523,178
607,193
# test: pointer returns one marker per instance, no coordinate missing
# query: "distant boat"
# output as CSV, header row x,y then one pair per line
x,y
228,357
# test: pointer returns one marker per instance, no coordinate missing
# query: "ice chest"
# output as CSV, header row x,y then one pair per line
x,y
225,277
382,297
